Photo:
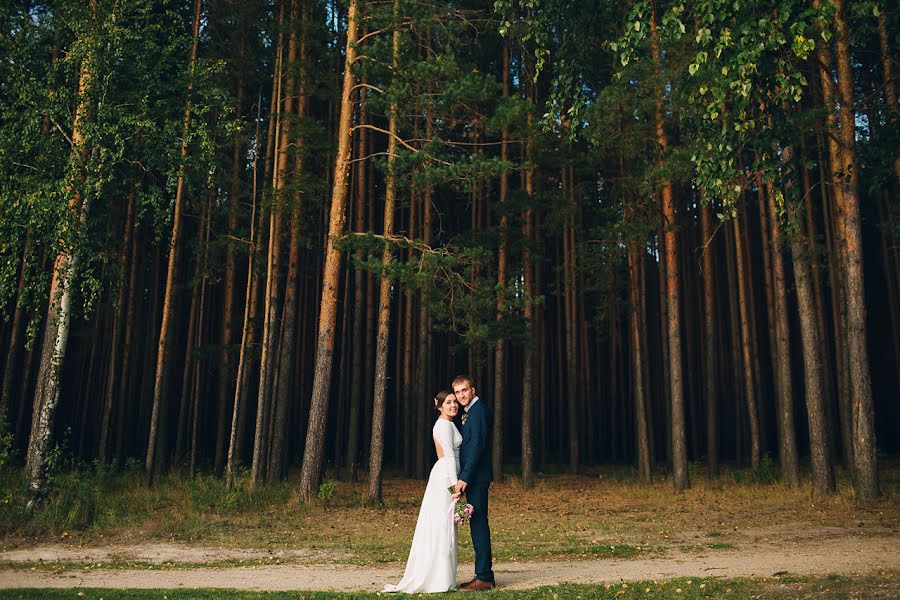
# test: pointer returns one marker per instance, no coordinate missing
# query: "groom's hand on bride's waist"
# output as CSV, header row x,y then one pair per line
x,y
460,486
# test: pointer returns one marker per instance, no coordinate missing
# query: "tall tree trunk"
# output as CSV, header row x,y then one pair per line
x,y
838,306
736,357
845,179
225,379
168,316
376,451
502,260
203,260
185,398
59,309
528,383
637,366
818,295
570,296
863,413
416,439
118,323
358,339
288,343
680,478
822,470
315,437
423,353
272,301
247,329
784,393
635,311
768,287
126,381
746,351
369,361
709,342
288,340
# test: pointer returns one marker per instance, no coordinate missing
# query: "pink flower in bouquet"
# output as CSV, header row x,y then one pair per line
x,y
461,511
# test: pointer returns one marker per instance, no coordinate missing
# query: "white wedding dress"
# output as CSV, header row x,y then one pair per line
x,y
431,566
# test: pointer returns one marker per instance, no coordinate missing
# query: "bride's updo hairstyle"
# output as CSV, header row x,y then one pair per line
x,y
439,399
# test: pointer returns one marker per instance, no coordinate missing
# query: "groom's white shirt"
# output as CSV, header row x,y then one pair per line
x,y
470,404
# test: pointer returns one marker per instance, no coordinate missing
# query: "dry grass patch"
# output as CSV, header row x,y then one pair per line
x,y
600,513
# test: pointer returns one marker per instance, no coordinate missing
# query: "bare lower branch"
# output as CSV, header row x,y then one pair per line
x,y
386,132
367,86
361,158
62,131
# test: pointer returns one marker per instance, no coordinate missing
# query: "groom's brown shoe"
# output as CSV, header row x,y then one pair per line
x,y
477,585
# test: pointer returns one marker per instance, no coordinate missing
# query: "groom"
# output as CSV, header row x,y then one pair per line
x,y
475,476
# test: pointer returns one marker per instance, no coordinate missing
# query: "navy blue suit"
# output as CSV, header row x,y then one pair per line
x,y
477,470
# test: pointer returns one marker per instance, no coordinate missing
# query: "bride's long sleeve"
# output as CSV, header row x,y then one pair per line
x,y
443,433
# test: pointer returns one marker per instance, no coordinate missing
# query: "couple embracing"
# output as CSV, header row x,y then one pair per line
x,y
464,464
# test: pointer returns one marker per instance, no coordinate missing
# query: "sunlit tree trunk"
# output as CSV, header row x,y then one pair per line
x,y
288,335
318,411
672,284
59,310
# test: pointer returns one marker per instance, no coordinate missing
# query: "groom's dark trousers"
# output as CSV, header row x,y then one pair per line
x,y
477,495
477,471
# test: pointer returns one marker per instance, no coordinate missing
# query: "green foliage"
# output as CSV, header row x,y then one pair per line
x,y
83,497
767,471
454,279
327,490
135,55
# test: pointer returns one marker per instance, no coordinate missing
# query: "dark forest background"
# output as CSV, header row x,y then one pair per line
x,y
249,235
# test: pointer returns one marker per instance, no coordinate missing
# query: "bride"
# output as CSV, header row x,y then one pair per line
x,y
431,566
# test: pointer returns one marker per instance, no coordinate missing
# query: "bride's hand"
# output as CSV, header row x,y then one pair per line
x,y
455,496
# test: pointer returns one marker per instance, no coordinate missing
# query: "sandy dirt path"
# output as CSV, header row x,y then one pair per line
x,y
840,554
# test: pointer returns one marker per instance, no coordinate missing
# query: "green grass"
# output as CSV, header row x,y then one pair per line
x,y
884,585
720,545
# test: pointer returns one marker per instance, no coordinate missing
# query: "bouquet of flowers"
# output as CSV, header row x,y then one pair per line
x,y
462,511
